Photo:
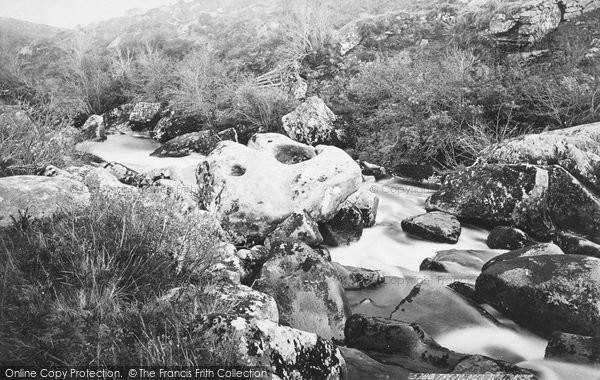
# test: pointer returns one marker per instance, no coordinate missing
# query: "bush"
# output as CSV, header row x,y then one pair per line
x,y
82,288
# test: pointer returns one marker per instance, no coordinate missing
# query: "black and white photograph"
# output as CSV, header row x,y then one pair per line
x,y
300,189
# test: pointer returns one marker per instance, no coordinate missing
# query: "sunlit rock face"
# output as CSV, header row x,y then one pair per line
x,y
252,192
312,122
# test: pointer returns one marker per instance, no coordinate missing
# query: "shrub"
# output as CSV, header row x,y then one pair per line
x,y
82,287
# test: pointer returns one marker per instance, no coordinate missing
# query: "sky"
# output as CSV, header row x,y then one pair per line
x,y
70,13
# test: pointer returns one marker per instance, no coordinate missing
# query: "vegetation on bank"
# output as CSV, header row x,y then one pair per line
x,y
82,288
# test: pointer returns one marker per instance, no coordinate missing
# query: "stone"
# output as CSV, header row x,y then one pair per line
x,y
202,142
144,115
117,118
95,178
458,261
284,149
37,197
367,202
312,123
344,228
435,226
537,199
504,237
252,261
93,128
172,126
379,172
573,348
545,293
298,226
229,134
354,278
540,249
361,366
284,351
306,289
251,192
572,244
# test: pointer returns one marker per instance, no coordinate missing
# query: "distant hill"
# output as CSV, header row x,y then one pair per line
x,y
15,34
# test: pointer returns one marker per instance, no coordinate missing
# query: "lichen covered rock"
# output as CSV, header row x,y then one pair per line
x,y
298,226
504,237
312,123
354,278
202,142
435,226
540,249
344,228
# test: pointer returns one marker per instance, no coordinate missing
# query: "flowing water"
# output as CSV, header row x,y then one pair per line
x,y
387,248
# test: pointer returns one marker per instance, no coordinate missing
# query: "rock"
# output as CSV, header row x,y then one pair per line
x,y
484,365
173,126
573,348
286,352
361,366
546,293
202,142
503,237
144,115
367,203
252,261
229,134
36,197
117,118
306,289
458,261
439,309
93,128
96,179
284,149
228,266
540,249
312,123
124,174
379,172
576,149
435,226
576,8
348,37
298,226
345,227
537,199
407,345
252,192
465,290
572,244
526,23
354,278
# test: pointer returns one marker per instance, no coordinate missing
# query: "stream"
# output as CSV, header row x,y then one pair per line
x,y
385,247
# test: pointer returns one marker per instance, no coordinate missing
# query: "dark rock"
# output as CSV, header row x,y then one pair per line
x,y
538,199
503,237
546,293
305,286
573,348
435,226
173,126
376,171
466,290
252,261
458,261
354,278
572,244
367,202
144,115
117,116
202,142
361,366
298,226
345,227
540,249
94,129
415,171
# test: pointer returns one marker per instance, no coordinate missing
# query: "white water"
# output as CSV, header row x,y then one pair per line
x,y
387,248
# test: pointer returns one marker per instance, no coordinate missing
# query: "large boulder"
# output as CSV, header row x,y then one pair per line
x,y
573,348
344,228
572,244
354,278
144,115
546,293
285,352
284,149
173,125
367,202
538,199
306,288
435,226
118,117
36,197
202,142
94,128
504,237
540,249
312,123
252,192
458,261
576,149
298,226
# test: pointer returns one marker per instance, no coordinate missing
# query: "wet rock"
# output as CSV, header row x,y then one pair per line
x,y
546,293
94,129
572,244
252,192
305,286
35,197
144,115
312,123
379,172
298,226
345,227
537,199
367,203
286,352
407,345
354,278
576,149
435,226
466,290
284,149
503,237
574,348
482,364
439,309
202,142
540,249
458,261
361,366
173,126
